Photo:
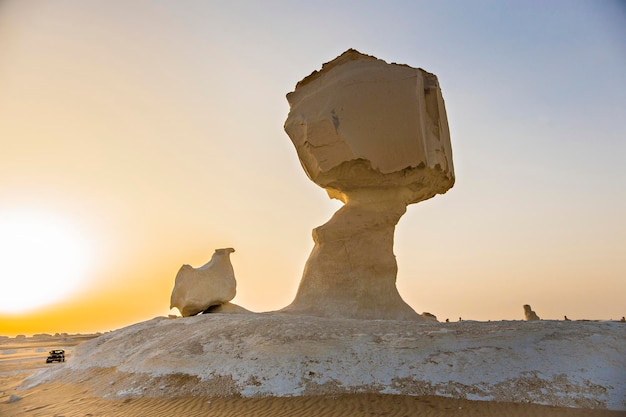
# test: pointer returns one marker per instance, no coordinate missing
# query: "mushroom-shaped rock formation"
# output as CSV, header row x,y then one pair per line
x,y
375,136
213,284
529,314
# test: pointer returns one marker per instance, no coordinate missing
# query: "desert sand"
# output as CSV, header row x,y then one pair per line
x,y
82,396
55,399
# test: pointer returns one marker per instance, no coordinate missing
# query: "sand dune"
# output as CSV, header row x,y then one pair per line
x,y
75,400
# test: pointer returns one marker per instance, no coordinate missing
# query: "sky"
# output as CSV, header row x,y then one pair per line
x,y
139,136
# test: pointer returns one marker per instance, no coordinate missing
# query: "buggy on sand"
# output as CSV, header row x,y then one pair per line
x,y
56,355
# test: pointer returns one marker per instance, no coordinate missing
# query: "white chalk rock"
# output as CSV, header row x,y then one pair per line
x,y
213,284
574,364
360,122
229,308
375,136
529,314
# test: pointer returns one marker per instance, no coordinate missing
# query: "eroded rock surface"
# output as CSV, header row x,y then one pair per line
x,y
375,136
567,364
360,123
229,308
213,284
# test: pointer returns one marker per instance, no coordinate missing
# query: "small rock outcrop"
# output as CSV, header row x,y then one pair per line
x,y
429,317
14,398
375,136
227,307
198,289
529,314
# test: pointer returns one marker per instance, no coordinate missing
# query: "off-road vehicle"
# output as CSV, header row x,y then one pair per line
x,y
56,355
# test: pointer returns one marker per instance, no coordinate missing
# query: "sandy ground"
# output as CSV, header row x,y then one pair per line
x,y
20,358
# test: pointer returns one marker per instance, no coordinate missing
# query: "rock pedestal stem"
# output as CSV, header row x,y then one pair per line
x,y
351,271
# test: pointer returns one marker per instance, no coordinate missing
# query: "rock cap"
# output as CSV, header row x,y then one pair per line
x,y
360,122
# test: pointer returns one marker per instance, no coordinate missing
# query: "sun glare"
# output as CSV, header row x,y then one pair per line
x,y
42,260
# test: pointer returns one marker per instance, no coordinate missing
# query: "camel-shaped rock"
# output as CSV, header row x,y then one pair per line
x,y
198,289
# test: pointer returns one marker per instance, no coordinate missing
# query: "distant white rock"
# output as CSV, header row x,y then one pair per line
x,y
213,284
529,314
